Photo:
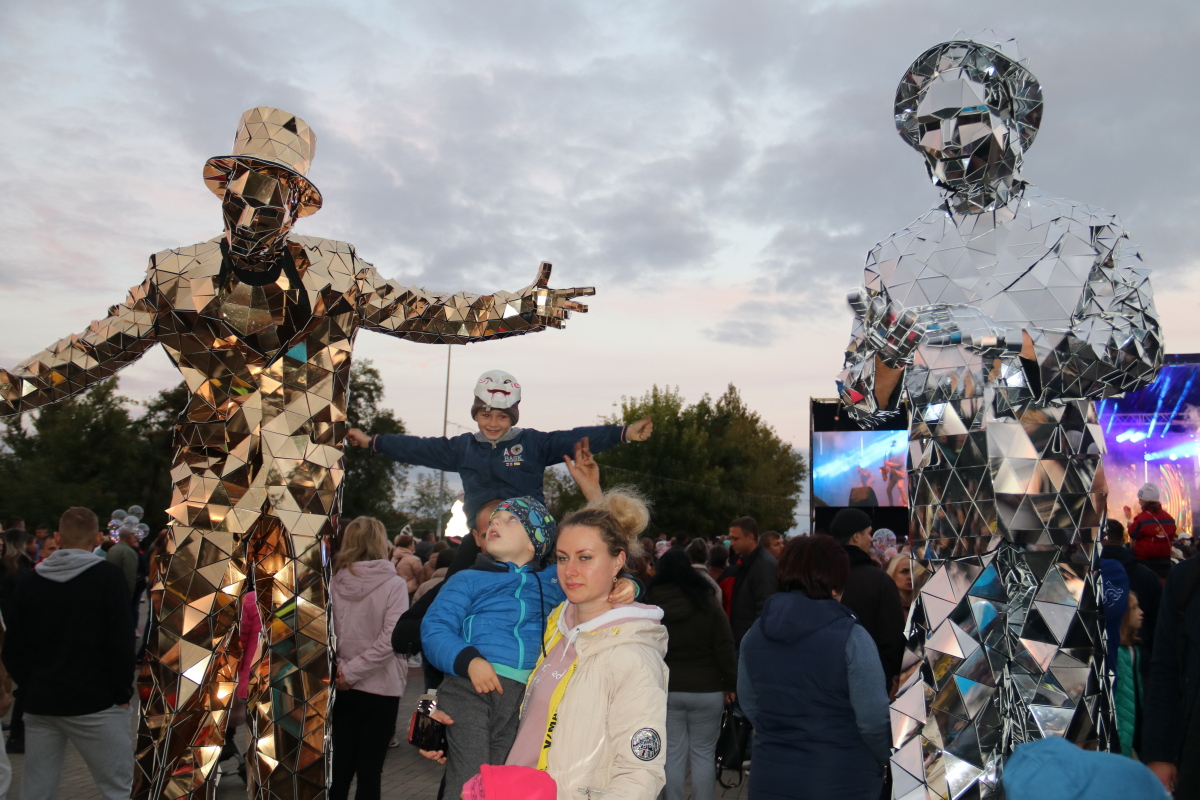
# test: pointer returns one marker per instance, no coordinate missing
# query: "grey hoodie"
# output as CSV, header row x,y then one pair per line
x,y
67,564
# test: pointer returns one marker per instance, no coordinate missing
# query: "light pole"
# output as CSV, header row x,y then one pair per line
x,y
445,425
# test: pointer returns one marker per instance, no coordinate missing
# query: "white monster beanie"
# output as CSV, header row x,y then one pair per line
x,y
499,391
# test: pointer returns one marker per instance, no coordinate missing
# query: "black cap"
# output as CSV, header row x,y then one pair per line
x,y
848,522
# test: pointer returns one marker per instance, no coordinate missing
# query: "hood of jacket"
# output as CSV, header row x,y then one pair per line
x,y
633,623
63,565
508,436
1056,768
857,557
489,563
789,617
366,577
1118,552
675,605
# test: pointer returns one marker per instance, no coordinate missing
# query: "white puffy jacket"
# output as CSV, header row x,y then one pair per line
x,y
608,738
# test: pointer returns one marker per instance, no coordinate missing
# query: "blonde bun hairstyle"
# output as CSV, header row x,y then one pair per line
x,y
620,516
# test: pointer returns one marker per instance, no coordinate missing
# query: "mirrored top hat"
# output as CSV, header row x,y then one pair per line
x,y
499,390
986,58
270,137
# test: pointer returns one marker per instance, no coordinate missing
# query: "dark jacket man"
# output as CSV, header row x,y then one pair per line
x,y
1171,730
86,666
869,592
754,583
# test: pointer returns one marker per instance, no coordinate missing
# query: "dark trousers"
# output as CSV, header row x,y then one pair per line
x,y
485,726
363,723
1187,786
16,724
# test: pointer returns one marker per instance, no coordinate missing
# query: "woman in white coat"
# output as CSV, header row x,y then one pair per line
x,y
595,710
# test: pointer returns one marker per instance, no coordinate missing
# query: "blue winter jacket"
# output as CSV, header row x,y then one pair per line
x,y
513,466
812,685
493,610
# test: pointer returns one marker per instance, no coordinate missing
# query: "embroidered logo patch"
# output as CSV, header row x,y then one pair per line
x,y
646,744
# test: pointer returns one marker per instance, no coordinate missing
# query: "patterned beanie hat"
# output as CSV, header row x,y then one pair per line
x,y
538,524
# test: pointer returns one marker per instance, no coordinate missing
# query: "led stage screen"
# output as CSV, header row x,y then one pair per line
x,y
1151,437
860,468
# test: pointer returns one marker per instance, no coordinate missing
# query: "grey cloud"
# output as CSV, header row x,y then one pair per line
x,y
623,142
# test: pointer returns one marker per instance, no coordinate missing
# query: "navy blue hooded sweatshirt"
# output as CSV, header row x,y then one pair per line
x,y
512,466
811,683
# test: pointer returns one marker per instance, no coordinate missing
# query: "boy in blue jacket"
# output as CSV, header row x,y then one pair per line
x,y
484,631
501,460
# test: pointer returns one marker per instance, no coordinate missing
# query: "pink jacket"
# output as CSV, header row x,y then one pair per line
x,y
250,634
366,604
409,567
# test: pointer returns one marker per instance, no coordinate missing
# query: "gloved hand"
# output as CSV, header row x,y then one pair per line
x,y
891,331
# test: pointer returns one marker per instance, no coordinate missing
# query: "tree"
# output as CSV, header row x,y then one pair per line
x,y
90,451
373,483
82,451
705,465
430,503
155,432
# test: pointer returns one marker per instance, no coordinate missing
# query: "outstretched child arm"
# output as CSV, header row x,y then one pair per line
x,y
602,437
435,452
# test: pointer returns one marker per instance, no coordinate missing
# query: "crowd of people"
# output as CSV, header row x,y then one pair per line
x,y
585,657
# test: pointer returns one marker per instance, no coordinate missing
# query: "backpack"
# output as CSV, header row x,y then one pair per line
x,y
1153,540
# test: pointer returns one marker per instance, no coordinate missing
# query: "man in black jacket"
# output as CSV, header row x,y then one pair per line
x,y
77,683
869,592
1142,581
754,580
1171,725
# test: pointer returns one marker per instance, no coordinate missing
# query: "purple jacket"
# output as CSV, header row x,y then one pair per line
x,y
368,598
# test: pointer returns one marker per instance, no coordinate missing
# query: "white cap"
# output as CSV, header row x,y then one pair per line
x,y
497,389
1148,493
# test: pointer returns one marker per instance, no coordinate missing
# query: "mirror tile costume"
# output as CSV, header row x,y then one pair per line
x,y
998,316
261,323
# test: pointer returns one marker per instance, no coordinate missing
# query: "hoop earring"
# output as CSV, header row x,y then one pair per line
x,y
616,578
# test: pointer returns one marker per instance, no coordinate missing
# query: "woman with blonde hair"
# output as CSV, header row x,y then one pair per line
x,y
595,710
367,597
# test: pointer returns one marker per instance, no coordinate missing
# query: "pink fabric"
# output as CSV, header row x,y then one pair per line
x,y
510,783
250,635
368,597
536,716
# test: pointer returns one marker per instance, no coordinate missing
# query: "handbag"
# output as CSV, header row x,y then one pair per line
x,y
732,744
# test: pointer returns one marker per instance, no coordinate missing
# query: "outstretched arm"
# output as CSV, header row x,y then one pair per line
x,y
1114,344
881,347
462,318
71,365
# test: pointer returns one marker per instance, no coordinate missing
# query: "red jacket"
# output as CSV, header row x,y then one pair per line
x,y
1152,533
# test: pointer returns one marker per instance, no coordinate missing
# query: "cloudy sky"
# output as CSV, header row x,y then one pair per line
x,y
716,169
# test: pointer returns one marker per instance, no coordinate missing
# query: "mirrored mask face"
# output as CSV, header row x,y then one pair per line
x,y
966,139
259,209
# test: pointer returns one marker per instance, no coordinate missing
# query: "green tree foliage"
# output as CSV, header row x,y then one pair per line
x,y
705,465
429,503
84,451
156,436
373,484
89,450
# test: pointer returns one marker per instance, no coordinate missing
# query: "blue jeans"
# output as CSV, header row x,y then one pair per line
x,y
693,725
